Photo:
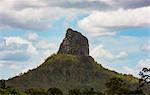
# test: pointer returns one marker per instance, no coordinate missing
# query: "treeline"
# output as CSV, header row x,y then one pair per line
x,y
57,91
6,90
115,86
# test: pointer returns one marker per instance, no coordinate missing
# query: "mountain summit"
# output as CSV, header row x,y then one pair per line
x,y
74,43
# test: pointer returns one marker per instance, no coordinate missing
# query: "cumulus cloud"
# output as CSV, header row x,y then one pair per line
x,y
31,36
143,63
44,45
39,14
136,69
84,4
101,4
128,70
39,43
19,54
129,46
4,64
16,49
107,23
29,19
21,49
128,4
15,56
30,15
146,47
100,52
18,41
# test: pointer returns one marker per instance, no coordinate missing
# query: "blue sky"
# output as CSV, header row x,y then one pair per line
x,y
118,32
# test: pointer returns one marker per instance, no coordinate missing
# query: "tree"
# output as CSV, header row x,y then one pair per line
x,y
144,79
2,84
54,91
12,91
35,91
116,86
74,92
2,87
91,92
6,90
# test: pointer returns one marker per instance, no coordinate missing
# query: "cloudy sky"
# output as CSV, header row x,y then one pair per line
x,y
31,30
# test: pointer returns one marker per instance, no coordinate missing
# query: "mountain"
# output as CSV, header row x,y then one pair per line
x,y
72,67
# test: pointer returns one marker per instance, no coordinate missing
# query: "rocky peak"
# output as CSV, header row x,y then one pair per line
x,y
74,43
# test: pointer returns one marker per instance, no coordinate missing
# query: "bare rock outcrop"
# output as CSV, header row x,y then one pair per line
x,y
74,43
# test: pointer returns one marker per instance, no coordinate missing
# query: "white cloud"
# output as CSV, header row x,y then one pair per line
x,y
122,55
20,41
127,4
21,49
13,40
128,70
18,54
146,47
136,69
39,43
31,15
31,36
16,49
107,23
144,63
101,4
40,14
100,52
43,44
129,46
29,18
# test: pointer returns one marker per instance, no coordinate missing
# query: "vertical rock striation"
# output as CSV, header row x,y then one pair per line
x,y
74,43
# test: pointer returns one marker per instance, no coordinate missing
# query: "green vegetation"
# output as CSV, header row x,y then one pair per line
x,y
116,86
6,90
144,81
90,91
73,73
61,58
36,92
74,92
54,91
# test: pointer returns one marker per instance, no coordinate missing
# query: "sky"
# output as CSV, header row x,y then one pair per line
x,y
31,30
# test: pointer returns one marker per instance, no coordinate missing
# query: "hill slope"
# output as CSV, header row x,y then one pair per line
x,y
67,71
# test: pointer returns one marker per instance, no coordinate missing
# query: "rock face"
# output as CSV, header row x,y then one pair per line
x,y
74,43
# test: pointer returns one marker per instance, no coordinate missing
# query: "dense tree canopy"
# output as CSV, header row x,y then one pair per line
x,y
54,91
